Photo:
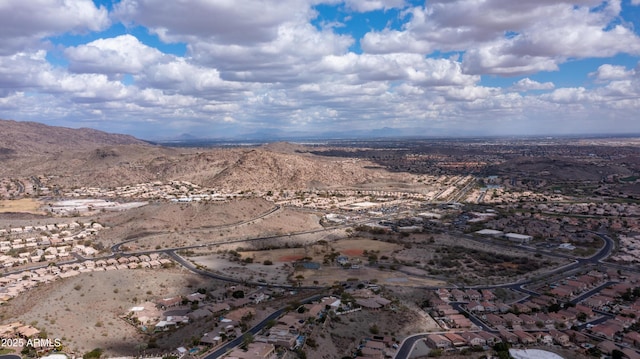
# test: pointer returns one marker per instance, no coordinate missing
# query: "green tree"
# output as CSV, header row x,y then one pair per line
x,y
582,317
247,339
374,329
94,354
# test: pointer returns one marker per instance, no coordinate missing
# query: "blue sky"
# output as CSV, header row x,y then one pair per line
x,y
221,68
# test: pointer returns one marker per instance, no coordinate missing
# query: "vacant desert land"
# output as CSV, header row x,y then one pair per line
x,y
344,333
24,205
171,225
329,273
351,247
84,311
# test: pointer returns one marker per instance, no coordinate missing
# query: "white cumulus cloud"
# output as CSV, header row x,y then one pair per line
x,y
121,54
371,5
511,37
607,72
527,84
23,24
224,21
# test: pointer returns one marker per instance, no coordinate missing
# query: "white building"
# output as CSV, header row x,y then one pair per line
x,y
519,238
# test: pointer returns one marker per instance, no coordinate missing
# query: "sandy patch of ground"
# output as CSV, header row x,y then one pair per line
x,y
331,275
468,262
352,252
84,311
280,223
352,247
282,255
290,258
357,245
282,271
283,258
219,263
339,337
25,205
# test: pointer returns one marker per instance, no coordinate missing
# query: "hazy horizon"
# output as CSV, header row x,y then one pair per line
x,y
217,69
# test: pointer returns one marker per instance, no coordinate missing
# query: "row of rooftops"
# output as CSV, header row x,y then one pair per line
x,y
48,247
451,340
46,228
12,285
18,330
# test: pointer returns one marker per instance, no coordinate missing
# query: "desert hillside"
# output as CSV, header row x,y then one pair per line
x,y
83,157
263,169
256,169
20,138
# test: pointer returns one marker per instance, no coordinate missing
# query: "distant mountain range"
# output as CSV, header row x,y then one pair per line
x,y
274,135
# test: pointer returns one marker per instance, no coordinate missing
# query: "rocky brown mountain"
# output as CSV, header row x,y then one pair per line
x,y
24,138
85,157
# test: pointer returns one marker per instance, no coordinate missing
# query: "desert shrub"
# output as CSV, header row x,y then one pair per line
x,y
94,354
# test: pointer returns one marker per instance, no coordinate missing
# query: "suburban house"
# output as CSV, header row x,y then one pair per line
x,y
524,337
490,338
255,350
494,320
438,341
455,339
559,337
474,339
632,338
169,302
512,320
210,339
509,337
475,306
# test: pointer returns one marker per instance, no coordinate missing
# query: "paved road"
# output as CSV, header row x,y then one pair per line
x,y
256,329
116,247
407,345
170,251
591,292
237,341
603,318
185,263
458,306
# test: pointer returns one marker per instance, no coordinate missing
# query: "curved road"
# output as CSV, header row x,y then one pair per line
x,y
170,252
406,347
408,343
256,329
116,247
183,262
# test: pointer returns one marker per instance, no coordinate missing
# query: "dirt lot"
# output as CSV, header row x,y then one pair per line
x,y
174,225
339,337
25,205
84,311
275,274
331,275
460,260
351,247
283,260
